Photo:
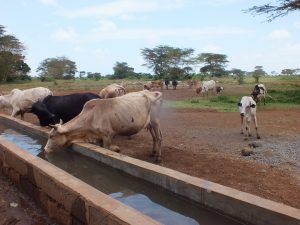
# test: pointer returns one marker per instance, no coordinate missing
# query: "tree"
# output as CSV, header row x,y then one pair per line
x,y
81,74
282,8
57,68
290,71
122,70
214,64
11,54
166,61
239,74
257,73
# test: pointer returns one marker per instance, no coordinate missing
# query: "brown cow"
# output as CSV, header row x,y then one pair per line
x,y
112,91
103,119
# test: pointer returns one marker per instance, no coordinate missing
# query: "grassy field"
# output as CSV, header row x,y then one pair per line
x,y
284,91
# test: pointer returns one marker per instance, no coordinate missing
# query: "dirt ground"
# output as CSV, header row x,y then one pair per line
x,y
207,144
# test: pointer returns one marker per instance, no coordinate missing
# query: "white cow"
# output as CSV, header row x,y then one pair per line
x,y
102,119
247,108
208,86
21,101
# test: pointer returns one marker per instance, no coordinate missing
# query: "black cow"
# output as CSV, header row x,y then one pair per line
x,y
167,82
174,83
66,107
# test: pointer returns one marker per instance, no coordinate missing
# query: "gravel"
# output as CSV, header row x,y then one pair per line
x,y
277,152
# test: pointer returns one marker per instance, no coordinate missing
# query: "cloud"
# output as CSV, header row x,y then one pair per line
x,y
155,34
68,34
279,34
297,25
122,7
210,48
49,2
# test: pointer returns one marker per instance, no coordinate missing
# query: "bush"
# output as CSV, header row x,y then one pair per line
x,y
284,96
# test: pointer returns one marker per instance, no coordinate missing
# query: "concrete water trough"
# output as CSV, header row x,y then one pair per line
x,y
72,201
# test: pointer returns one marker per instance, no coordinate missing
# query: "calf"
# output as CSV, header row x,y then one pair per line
x,y
55,108
247,108
21,101
103,119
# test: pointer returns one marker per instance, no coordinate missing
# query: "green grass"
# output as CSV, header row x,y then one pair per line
x,y
219,103
288,99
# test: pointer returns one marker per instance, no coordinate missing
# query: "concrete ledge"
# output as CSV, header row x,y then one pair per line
x,y
243,206
64,197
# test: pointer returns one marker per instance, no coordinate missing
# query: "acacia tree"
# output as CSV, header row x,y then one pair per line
x,y
57,68
257,73
239,74
123,70
290,71
282,8
167,62
214,64
11,57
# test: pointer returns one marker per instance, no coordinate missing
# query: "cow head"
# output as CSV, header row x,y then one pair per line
x,y
255,95
44,115
198,90
57,138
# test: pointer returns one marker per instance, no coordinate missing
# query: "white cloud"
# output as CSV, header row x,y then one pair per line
x,y
297,25
68,34
49,2
155,34
210,48
279,34
123,7
105,26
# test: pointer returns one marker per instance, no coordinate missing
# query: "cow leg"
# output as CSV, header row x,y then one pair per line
x,y
17,112
155,131
256,127
153,139
242,124
248,126
107,144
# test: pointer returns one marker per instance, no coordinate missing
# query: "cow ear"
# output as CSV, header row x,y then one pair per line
x,y
239,104
253,105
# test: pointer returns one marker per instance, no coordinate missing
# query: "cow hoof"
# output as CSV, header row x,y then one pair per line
x,y
114,148
157,161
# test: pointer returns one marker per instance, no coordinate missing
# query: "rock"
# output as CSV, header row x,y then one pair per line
x,y
246,152
255,145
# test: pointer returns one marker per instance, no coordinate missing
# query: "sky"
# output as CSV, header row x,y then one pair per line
x,y
98,33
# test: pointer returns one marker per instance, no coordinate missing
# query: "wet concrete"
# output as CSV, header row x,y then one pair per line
x,y
145,197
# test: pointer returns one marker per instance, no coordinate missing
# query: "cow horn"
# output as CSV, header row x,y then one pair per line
x,y
60,122
55,126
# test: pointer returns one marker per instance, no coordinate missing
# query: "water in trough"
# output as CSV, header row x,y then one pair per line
x,y
147,198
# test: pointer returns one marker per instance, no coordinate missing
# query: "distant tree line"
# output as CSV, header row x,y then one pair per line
x,y
164,61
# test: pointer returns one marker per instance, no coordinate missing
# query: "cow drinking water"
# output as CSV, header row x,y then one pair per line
x,y
103,119
55,108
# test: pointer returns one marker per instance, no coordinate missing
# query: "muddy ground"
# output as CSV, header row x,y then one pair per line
x,y
208,144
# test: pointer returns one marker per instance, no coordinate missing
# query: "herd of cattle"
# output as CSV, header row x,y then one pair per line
x,y
89,117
